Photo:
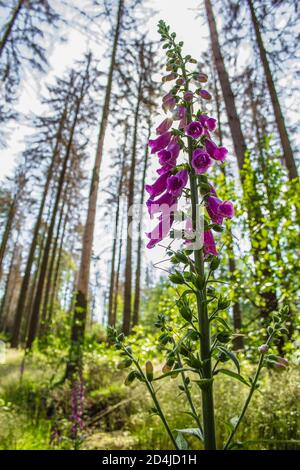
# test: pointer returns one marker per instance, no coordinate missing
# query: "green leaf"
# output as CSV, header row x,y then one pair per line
x,y
233,375
193,431
181,442
223,322
231,356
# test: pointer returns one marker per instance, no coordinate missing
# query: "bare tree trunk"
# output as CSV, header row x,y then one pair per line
x,y
7,230
130,200
40,286
238,342
137,296
238,139
81,295
43,326
57,268
284,138
30,259
4,310
116,231
117,277
10,24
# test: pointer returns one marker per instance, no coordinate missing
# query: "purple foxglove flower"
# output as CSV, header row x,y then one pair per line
x,y
169,102
165,157
201,161
209,246
176,183
160,142
204,94
164,126
179,113
183,123
161,230
162,204
208,122
194,129
158,187
188,96
226,209
217,153
218,209
174,147
180,81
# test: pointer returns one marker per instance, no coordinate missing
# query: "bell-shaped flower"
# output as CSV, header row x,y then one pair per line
x,y
194,129
158,187
160,142
201,161
169,102
209,245
218,210
164,126
176,183
215,152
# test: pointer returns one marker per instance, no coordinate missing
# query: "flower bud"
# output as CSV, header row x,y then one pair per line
x,y
204,94
188,96
149,370
263,349
201,77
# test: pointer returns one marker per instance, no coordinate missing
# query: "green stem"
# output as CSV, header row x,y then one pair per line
x,y
252,390
203,320
157,405
188,395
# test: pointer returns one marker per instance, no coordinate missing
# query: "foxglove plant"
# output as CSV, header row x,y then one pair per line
x,y
185,155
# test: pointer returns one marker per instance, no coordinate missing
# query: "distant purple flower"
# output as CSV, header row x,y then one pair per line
x,y
218,210
201,161
160,142
158,187
188,96
263,349
176,183
209,245
169,102
194,129
217,153
164,126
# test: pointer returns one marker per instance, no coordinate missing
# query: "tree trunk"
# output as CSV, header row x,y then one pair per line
x,y
9,25
7,230
238,139
284,138
238,342
254,213
117,277
43,328
130,200
114,248
81,295
137,296
56,271
40,286
30,259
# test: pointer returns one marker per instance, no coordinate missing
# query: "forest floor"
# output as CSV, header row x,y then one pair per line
x,y
118,417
